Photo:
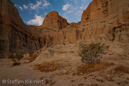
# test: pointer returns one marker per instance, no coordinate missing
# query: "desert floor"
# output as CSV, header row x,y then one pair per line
x,y
66,74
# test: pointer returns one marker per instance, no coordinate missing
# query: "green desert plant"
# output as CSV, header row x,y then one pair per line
x,y
92,53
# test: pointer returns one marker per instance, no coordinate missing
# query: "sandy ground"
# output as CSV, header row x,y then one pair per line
x,y
66,75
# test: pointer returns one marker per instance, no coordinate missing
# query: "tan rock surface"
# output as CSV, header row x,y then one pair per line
x,y
108,18
102,16
100,9
15,36
111,29
54,21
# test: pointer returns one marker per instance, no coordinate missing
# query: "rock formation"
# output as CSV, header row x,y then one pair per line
x,y
104,16
100,9
101,17
15,36
108,18
54,21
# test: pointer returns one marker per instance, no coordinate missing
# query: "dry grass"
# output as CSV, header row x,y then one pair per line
x,y
33,56
92,67
122,69
47,66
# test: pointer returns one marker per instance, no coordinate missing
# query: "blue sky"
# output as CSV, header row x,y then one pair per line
x,y
33,12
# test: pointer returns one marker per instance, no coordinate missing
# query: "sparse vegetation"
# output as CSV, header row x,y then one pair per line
x,y
47,66
33,56
92,53
92,67
16,57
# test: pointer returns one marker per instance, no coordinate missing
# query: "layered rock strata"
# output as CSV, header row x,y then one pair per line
x,y
54,21
102,17
15,36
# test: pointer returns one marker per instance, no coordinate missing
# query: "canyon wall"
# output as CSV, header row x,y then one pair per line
x,y
102,17
15,36
108,18
54,21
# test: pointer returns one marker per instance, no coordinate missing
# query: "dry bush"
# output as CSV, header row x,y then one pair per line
x,y
92,53
16,57
47,66
92,67
33,56
122,69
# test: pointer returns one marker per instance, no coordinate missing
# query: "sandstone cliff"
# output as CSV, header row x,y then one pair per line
x,y
108,18
54,21
15,36
100,9
51,29
104,17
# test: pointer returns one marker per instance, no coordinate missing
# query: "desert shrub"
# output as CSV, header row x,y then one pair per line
x,y
92,67
16,57
92,53
33,56
47,66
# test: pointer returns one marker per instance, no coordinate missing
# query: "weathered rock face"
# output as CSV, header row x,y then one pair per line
x,y
54,21
102,16
15,36
100,9
108,18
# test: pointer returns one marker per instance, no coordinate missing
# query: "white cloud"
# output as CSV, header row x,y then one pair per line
x,y
82,8
39,4
84,4
34,7
19,7
74,12
66,7
25,7
38,20
46,3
